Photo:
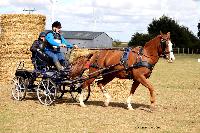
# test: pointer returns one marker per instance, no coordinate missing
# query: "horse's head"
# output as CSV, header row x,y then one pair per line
x,y
166,47
79,65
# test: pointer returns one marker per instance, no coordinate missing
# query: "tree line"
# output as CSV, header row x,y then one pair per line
x,y
181,36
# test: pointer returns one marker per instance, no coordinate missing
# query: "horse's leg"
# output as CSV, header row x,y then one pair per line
x,y
84,85
133,88
148,85
106,94
101,85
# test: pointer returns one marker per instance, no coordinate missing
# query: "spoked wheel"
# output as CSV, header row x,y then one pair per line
x,y
76,91
60,92
18,88
46,91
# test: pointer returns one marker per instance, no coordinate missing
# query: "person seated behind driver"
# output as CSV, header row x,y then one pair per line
x,y
54,40
38,47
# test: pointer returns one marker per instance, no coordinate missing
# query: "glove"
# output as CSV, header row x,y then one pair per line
x,y
76,46
63,45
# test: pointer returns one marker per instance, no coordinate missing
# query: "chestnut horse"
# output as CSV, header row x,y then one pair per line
x,y
78,66
138,66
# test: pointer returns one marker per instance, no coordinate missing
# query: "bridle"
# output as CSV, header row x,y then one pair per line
x,y
163,44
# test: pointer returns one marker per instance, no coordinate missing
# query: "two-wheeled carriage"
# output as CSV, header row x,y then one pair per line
x,y
47,82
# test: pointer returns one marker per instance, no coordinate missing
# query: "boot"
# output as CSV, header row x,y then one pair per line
x,y
61,69
59,66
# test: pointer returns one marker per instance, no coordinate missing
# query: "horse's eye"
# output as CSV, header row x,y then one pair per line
x,y
163,40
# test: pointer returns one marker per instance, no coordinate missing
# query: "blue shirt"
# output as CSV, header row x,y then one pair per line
x,y
50,39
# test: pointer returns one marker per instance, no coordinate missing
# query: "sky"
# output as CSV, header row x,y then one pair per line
x,y
120,19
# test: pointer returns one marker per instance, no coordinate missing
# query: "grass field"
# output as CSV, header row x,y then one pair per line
x,y
177,87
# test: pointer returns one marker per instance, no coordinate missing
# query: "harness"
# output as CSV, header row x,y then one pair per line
x,y
141,63
163,46
124,57
124,61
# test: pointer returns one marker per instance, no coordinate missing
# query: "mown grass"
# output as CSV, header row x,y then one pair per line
x,y
177,90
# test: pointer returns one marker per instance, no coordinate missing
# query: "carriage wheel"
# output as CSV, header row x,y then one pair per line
x,y
18,88
60,92
76,91
46,91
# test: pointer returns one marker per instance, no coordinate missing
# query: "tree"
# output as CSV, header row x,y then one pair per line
x,y
116,43
180,35
139,39
198,34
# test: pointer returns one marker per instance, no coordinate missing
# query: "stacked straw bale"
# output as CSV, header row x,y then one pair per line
x,y
18,31
80,52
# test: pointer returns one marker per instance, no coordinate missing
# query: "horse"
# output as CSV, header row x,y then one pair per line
x,y
78,66
137,66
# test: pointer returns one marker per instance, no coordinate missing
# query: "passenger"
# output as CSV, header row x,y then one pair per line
x,y
38,47
55,40
37,50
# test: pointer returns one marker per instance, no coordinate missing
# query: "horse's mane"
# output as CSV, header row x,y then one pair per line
x,y
150,41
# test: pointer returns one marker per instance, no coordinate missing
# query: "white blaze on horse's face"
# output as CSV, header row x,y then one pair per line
x,y
171,54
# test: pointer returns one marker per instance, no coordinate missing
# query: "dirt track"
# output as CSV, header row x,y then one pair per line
x,y
178,106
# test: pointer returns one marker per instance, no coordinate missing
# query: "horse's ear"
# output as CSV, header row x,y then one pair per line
x,y
89,56
161,33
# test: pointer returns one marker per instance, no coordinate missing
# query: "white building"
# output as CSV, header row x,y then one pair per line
x,y
88,39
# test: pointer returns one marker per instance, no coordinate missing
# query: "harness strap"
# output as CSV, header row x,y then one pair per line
x,y
142,63
124,57
123,62
141,51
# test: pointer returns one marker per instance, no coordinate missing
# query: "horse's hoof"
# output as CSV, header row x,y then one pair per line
x,y
130,108
106,104
83,105
152,108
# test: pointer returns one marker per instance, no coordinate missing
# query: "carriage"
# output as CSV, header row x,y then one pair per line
x,y
136,64
46,82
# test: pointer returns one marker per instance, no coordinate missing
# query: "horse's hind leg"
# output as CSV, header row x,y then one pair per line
x,y
133,88
106,94
101,85
84,85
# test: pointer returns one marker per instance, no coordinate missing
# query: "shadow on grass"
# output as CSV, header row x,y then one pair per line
x,y
101,104
70,101
117,104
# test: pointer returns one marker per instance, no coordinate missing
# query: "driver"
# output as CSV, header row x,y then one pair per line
x,y
55,40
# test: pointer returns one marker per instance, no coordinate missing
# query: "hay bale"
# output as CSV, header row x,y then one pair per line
x,y
18,31
80,52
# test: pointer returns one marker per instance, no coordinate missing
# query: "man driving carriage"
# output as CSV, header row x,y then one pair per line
x,y
49,43
54,41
